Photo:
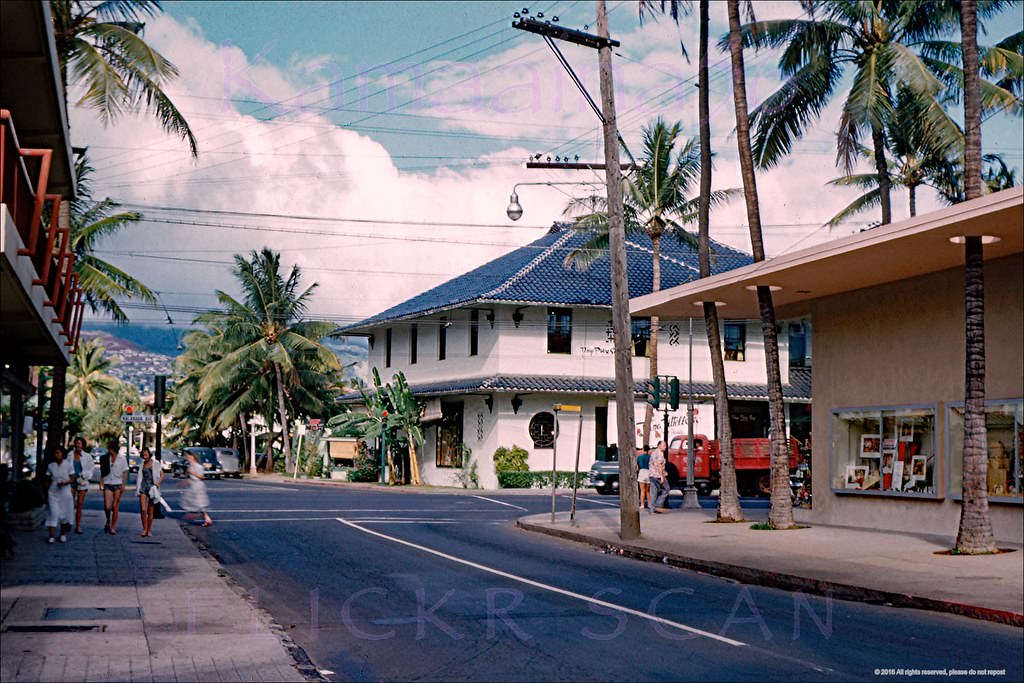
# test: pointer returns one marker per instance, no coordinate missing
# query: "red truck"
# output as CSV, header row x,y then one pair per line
x,y
753,463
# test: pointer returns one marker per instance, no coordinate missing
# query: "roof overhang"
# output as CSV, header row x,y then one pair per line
x,y
890,253
30,87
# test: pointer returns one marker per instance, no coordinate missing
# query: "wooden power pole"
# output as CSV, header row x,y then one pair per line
x,y
629,514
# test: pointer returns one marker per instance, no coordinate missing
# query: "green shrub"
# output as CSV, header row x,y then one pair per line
x,y
366,466
511,460
538,480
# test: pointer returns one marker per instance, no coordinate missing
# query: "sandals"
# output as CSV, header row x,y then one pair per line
x,y
207,523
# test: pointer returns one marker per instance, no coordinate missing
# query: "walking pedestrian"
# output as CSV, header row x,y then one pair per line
x,y
150,477
659,479
196,498
58,498
83,465
643,476
113,486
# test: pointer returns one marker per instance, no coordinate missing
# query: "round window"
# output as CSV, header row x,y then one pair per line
x,y
542,430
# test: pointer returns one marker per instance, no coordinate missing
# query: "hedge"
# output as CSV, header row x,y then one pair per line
x,y
539,480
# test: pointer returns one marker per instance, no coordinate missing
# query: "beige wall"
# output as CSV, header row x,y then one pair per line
x,y
904,344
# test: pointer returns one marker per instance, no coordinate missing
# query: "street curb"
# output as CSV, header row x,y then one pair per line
x,y
408,488
760,577
300,660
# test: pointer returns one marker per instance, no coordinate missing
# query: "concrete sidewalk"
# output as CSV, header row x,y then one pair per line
x,y
119,608
868,566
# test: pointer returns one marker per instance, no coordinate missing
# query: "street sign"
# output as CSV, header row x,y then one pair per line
x,y
136,417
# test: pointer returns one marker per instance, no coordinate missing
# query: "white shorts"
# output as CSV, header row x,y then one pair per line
x,y
644,476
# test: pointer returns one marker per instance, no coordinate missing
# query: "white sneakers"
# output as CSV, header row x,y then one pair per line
x,y
63,538
51,540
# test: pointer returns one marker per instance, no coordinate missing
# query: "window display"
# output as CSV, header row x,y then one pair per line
x,y
886,450
1004,423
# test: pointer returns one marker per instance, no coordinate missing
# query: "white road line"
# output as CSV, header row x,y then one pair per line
x,y
351,510
501,502
588,500
367,520
553,589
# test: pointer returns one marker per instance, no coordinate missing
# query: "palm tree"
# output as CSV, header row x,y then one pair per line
x,y
88,377
371,423
780,514
871,38
102,282
100,46
265,333
656,204
975,532
404,414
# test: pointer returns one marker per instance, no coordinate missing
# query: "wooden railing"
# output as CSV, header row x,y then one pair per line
x,y
47,246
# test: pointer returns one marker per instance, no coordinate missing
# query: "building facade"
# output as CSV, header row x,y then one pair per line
x,y
41,303
888,312
493,351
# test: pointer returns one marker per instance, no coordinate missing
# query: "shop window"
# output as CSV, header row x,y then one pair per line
x,y
474,332
887,451
1004,474
387,348
640,329
735,341
442,339
414,339
449,436
559,330
798,355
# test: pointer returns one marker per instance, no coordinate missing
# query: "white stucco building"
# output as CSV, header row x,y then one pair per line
x,y
492,351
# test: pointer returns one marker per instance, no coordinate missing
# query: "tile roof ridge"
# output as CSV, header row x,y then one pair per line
x,y
661,254
530,265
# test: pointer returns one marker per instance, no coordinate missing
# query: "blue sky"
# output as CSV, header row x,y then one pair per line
x,y
383,182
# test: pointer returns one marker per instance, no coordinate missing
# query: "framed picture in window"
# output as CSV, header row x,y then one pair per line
x,y
918,467
855,475
897,475
871,446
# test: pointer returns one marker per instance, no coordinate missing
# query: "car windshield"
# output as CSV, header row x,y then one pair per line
x,y
203,455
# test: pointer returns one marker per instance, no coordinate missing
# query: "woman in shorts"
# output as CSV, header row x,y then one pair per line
x,y
113,486
150,477
82,463
643,477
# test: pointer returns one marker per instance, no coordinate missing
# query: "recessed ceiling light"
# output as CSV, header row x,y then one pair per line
x,y
985,239
771,288
803,291
717,303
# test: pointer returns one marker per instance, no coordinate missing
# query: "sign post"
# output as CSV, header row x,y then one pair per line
x,y
559,407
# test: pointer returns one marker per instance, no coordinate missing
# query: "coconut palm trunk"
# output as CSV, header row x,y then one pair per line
x,y
283,413
729,509
653,346
975,532
780,514
882,169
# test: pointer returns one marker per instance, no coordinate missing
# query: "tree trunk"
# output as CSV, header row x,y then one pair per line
x,y
729,509
913,200
414,467
882,169
653,365
975,532
55,419
284,418
629,513
780,514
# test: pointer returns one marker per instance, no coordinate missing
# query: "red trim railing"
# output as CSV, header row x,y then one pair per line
x,y
47,246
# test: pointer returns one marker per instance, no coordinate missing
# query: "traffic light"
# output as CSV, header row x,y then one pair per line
x,y
653,386
159,392
673,393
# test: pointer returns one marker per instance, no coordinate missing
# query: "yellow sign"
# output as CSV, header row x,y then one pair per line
x,y
567,408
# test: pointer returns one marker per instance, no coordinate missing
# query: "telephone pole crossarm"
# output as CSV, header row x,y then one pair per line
x,y
570,35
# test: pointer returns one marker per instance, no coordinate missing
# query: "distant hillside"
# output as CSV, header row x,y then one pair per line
x,y
145,350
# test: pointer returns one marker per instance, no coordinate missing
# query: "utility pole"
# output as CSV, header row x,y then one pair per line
x,y
629,513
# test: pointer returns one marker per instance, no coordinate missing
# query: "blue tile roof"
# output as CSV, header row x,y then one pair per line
x,y
798,390
536,274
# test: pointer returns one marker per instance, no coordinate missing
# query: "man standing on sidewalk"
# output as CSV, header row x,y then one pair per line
x,y
659,479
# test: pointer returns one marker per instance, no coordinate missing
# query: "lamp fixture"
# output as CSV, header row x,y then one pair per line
x,y
771,288
515,209
370,340
517,315
489,402
517,403
985,239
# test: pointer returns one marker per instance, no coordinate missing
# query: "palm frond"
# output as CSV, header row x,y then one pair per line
x,y
866,201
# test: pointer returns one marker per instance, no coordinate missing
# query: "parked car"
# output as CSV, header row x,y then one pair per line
x,y
230,462
206,457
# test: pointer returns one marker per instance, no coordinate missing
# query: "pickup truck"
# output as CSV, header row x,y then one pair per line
x,y
752,457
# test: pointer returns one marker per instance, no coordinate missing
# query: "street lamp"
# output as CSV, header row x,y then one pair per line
x,y
515,209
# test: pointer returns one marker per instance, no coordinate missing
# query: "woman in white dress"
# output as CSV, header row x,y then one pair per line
x,y
196,498
58,498
82,464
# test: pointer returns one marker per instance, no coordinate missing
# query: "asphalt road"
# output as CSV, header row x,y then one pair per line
x,y
389,585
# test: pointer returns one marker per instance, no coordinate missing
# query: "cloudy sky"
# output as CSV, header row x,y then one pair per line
x,y
376,144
